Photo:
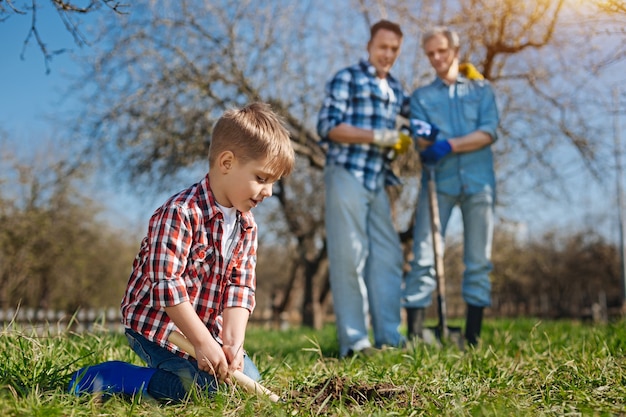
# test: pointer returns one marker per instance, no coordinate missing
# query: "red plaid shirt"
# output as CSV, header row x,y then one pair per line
x,y
180,260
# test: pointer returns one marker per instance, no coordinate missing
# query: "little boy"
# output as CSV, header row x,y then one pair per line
x,y
195,271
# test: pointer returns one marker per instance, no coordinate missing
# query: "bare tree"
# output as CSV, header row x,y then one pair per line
x,y
168,71
69,13
612,6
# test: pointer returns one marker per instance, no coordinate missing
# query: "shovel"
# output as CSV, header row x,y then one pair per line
x,y
442,332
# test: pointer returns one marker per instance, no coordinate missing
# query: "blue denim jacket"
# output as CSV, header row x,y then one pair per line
x,y
459,109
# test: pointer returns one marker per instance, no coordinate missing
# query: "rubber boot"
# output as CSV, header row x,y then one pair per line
x,y
473,324
415,323
114,377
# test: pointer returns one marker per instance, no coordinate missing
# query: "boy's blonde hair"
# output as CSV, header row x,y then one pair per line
x,y
251,133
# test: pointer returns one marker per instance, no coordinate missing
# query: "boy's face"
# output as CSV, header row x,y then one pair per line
x,y
246,184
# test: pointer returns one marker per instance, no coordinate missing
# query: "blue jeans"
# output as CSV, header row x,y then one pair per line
x,y
478,219
181,375
365,261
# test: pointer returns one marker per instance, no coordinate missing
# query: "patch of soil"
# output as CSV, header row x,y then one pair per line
x,y
336,389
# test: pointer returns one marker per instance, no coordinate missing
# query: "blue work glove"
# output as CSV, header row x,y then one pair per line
x,y
436,151
424,130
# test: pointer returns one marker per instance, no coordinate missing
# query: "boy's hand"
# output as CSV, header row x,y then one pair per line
x,y
208,352
211,359
234,356
233,336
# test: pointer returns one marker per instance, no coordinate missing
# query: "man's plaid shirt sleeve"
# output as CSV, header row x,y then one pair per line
x,y
336,103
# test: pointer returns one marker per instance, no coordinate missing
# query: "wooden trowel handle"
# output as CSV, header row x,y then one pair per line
x,y
249,384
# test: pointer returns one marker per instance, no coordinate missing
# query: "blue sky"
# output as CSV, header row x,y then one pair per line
x,y
30,97
27,92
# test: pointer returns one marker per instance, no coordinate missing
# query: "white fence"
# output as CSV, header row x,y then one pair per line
x,y
42,322
28,320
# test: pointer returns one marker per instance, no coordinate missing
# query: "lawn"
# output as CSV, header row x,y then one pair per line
x,y
522,367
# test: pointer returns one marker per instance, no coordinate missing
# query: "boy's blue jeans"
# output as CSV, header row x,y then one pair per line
x,y
181,374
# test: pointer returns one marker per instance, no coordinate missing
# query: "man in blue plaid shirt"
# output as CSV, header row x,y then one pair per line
x,y
357,124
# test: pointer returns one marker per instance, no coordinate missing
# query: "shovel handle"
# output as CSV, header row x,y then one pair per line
x,y
249,384
435,224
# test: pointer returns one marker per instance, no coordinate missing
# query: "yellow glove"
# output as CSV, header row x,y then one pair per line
x,y
470,71
403,144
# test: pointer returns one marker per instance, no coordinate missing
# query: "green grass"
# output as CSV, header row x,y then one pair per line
x,y
522,367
